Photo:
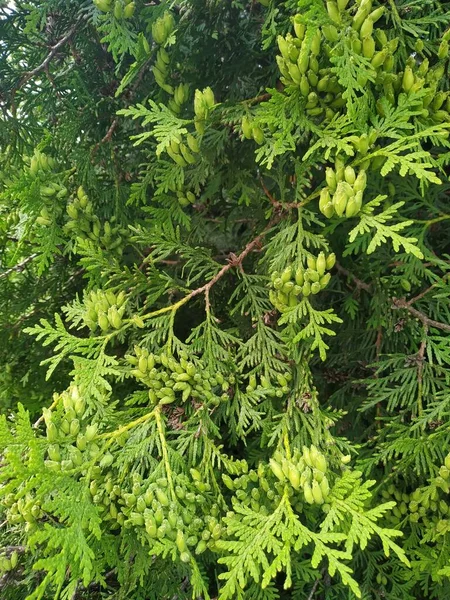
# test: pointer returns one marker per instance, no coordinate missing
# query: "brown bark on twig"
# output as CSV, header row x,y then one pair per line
x,y
44,64
361,285
19,267
398,303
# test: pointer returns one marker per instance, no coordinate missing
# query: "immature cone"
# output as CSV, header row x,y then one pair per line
x,y
299,27
317,493
118,9
447,461
103,5
129,9
321,263
408,79
307,491
330,177
340,199
258,135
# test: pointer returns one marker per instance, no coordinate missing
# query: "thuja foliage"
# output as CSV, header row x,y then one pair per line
x,y
224,299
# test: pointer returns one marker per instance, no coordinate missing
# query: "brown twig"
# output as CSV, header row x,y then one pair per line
x,y
420,359
314,588
19,267
361,285
276,203
53,50
108,135
207,301
232,262
52,406
169,262
399,303
421,295
425,292
75,275
18,549
258,99
286,205
379,341
269,195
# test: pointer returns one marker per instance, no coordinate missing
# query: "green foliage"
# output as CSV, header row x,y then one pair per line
x,y
224,300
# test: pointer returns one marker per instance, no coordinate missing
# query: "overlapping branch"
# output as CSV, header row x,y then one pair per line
x,y
19,267
44,64
233,262
361,285
401,303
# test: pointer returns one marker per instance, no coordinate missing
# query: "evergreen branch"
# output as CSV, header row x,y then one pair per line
x,y
287,205
44,64
427,290
315,586
233,262
124,428
257,99
20,266
361,285
114,489
383,228
398,303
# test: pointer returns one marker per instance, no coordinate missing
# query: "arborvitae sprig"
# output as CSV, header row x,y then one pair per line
x,y
225,227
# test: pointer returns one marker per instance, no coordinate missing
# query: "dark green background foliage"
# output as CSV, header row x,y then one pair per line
x,y
224,299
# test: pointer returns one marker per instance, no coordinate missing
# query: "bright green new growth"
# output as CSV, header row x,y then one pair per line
x,y
224,300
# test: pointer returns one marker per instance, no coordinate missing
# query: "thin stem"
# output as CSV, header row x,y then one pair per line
x,y
314,588
44,64
402,303
172,307
19,267
430,222
359,284
118,432
425,292
420,358
233,261
52,406
257,99
395,13
165,454
288,205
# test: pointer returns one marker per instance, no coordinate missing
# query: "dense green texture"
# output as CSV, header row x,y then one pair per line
x,y
224,300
